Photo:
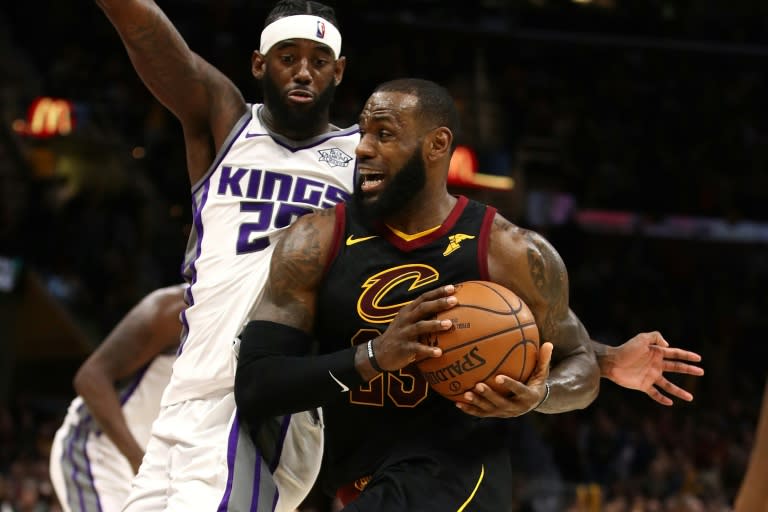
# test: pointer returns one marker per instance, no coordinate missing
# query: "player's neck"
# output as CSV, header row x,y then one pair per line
x,y
422,215
297,131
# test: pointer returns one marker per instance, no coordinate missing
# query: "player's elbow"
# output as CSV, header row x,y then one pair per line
x,y
580,380
255,399
588,376
250,397
84,378
591,388
587,387
243,399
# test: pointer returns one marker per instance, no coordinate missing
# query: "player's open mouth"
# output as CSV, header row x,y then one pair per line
x,y
371,182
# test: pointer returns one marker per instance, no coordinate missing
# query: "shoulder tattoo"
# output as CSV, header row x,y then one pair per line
x,y
548,273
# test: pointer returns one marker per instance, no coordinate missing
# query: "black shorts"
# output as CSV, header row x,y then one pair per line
x,y
440,482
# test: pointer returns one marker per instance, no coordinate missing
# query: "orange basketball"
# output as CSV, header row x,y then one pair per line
x,y
493,333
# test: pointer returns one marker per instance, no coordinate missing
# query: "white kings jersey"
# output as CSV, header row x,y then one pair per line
x,y
84,457
259,183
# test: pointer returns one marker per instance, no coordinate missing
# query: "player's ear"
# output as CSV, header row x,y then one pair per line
x,y
338,69
440,140
258,65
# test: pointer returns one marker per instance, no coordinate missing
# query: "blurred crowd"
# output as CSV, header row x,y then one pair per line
x,y
102,216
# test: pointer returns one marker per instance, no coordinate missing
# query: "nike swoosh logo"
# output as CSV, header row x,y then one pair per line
x,y
344,387
351,240
249,135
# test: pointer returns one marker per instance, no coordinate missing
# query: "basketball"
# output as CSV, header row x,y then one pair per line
x,y
493,333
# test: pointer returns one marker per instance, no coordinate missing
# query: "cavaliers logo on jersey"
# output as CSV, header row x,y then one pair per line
x,y
376,304
334,157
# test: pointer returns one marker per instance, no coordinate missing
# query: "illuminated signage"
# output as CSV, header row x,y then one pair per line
x,y
463,172
50,116
463,167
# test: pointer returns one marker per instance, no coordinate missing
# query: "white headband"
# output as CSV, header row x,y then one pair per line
x,y
301,26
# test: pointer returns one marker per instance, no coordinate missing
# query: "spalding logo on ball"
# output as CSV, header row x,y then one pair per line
x,y
493,333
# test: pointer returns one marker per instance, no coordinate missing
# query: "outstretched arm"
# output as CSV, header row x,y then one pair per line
x,y
640,363
151,328
205,101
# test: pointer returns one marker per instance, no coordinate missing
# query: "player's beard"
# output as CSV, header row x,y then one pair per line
x,y
296,118
404,187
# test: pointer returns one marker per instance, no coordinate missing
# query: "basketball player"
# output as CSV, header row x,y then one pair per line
x,y
363,282
253,169
99,447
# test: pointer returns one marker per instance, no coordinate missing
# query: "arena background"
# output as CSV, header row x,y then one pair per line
x,y
633,134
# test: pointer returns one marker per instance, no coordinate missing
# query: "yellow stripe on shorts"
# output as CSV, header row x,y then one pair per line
x,y
474,491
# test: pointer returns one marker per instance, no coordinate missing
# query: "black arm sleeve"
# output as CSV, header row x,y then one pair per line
x,y
276,375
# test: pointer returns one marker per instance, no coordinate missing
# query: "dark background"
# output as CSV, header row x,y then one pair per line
x,y
637,135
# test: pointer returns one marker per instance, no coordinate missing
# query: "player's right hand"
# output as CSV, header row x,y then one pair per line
x,y
399,346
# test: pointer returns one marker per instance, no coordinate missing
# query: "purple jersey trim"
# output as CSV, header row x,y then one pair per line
x,y
237,129
231,451
197,221
315,142
294,146
76,437
125,395
257,484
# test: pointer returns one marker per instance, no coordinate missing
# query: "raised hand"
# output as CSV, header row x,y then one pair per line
x,y
641,362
